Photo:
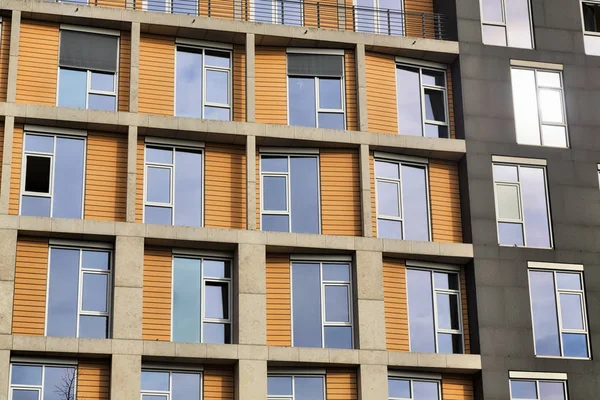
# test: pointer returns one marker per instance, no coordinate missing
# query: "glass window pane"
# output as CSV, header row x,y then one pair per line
x,y
154,397
554,136
289,12
216,333
188,188
22,394
331,120
185,386
388,199
159,185
492,11
552,391
443,280
525,106
508,202
72,88
435,107
63,292
217,87
275,193
550,79
575,345
154,380
505,173
102,102
518,24
510,234
308,388
551,105
449,343
592,45
275,223
302,103
306,304
103,82
216,269
188,84
337,304
93,327
545,318
39,143
420,311
330,94
95,288
493,35
447,309
279,386
408,88
26,375
304,194
571,311
35,206
59,383
565,280
216,300
414,203
274,164
426,390
387,229
188,7
436,131
591,17
37,175
338,337
217,113
336,272
385,169
217,58
159,155
68,178
157,215
434,78
186,299
399,388
99,260
523,390
535,208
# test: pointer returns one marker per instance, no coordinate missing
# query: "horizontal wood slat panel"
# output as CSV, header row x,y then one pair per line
x,y
271,85
415,25
258,218
156,315
279,325
124,68
218,383
457,387
15,171
139,180
444,193
93,380
396,306
350,81
239,83
465,311
4,56
111,3
157,74
373,193
381,93
451,119
341,384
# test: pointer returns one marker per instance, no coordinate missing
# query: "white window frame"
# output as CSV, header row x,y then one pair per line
x,y
227,281
293,376
168,393
51,156
503,23
203,48
173,147
537,386
522,220
288,185
40,388
557,293
324,284
411,381
432,270
588,33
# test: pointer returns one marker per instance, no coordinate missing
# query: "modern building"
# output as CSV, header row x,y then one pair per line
x,y
299,200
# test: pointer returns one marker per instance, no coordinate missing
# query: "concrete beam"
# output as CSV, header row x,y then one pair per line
x,y
361,84
250,78
252,294
131,172
125,376
251,168
251,380
365,191
134,77
13,60
9,126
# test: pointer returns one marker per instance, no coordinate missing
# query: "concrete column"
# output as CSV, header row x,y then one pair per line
x,y
134,77
373,383
4,374
365,191
8,257
250,78
251,166
9,126
131,173
13,59
361,84
125,376
369,304
252,294
128,292
251,380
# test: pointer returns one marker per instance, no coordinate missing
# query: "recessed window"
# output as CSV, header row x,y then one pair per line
x,y
522,209
434,311
296,387
538,389
42,382
201,300
322,304
590,10
88,68
507,23
165,385
290,193
52,176
316,90
540,114
559,313
422,101
413,389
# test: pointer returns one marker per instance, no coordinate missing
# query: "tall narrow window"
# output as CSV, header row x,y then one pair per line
x,y
422,101
171,385
413,389
203,83
402,200
522,209
79,292
507,23
42,382
201,300
316,95
540,113
534,389
290,193
434,311
288,12
174,185
52,176
559,313
590,11
295,387
88,66
380,16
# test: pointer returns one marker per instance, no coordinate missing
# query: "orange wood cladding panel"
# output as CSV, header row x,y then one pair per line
x,y
381,93
271,85
218,383
457,387
258,218
4,57
445,201
1,145
415,25
341,384
15,170
373,193
340,192
111,3
225,186
465,311
38,63
218,9
156,313
451,120
106,177
396,306
350,81
139,180
124,70
279,324
31,271
157,74
322,14
239,83
93,380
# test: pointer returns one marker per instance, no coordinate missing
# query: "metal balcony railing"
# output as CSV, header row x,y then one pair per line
x,y
299,13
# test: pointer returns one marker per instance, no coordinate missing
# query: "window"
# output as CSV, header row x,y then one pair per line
x,y
296,387
290,193
203,83
413,389
590,11
434,311
380,16
288,12
522,208
321,304
52,176
402,200
189,7
201,300
507,23
538,389
79,287
42,382
171,385
87,73
422,101
316,90
174,185
559,313
540,114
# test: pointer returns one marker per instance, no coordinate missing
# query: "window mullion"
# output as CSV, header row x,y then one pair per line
x,y
288,188
558,313
435,310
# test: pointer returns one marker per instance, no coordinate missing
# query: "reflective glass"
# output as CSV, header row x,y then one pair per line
x,y
93,327
306,304
575,345
337,304
408,88
216,333
552,391
159,155
545,318
216,269
187,279
154,397
217,58
510,234
35,206
26,375
99,260
304,194
289,12
505,173
425,390
37,175
189,7
549,79
95,288
420,311
571,311
217,113
63,292
157,215
275,193
551,105
494,35
302,102
103,82
449,343
274,164
23,394
336,272
102,102
39,143
188,84
68,178
523,390
592,45
308,388
591,17
188,188
338,337
159,185
508,202
156,5
216,300
433,78
217,87
436,131
185,386
554,136
492,10
276,223
385,169
535,208
388,229
330,93
414,203
72,88
518,24
154,380
445,281
447,310
365,16
388,199
279,386
525,106
331,120
399,388
264,11
59,383
565,280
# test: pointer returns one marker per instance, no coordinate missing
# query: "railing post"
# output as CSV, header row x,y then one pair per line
x,y
354,21
209,9
438,19
318,15
389,22
283,11
423,25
